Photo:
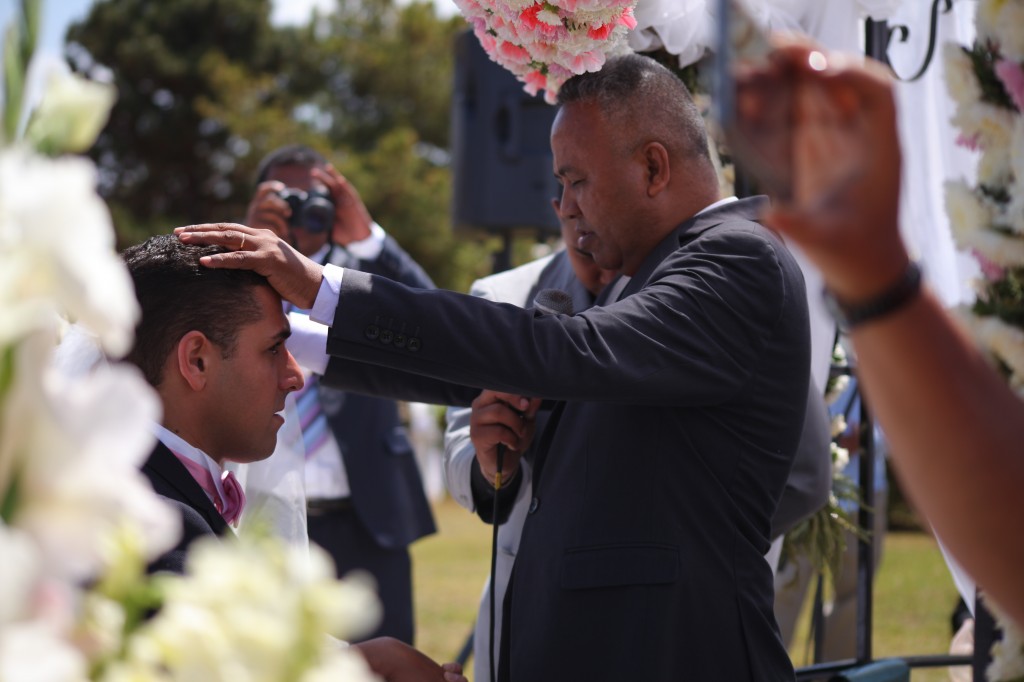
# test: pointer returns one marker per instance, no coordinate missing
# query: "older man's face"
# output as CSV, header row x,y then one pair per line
x,y
603,189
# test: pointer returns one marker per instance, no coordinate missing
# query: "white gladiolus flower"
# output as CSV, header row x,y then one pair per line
x,y
994,166
840,458
1002,21
1007,662
1012,214
72,112
1002,250
36,651
986,19
74,449
961,81
57,251
992,125
102,626
1000,339
967,213
838,425
253,610
19,572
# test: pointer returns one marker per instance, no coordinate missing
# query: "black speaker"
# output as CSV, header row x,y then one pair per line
x,y
501,147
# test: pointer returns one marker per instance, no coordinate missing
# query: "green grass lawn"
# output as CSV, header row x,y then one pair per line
x,y
914,593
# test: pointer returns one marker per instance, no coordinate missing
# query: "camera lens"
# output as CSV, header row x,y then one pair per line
x,y
318,213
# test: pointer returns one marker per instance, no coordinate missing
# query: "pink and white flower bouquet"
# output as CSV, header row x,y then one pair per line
x,y
547,42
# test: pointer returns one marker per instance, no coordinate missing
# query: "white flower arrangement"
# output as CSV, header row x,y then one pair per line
x,y
987,83
74,508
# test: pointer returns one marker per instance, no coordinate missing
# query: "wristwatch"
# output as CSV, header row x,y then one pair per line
x,y
848,316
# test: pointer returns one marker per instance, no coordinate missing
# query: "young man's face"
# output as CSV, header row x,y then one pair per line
x,y
248,389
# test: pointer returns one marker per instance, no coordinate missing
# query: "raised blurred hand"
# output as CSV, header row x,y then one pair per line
x,y
826,123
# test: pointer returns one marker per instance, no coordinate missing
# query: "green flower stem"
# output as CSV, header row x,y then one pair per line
x,y
19,46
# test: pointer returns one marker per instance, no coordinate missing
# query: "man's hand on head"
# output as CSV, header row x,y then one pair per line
x,y
295,277
352,220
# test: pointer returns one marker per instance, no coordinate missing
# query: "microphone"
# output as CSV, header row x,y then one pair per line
x,y
546,302
553,302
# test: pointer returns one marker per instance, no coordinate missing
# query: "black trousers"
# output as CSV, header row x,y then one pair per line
x,y
353,548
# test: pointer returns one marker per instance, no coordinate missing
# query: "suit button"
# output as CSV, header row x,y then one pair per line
x,y
413,345
386,336
534,503
372,332
400,340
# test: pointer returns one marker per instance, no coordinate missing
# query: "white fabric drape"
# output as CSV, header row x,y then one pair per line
x,y
930,155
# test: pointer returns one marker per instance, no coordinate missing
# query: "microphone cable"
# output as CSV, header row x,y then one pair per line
x,y
494,554
546,302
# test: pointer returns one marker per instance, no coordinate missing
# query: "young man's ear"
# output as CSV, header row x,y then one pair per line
x,y
655,156
193,356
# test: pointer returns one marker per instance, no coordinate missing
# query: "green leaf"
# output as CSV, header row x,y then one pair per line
x,y
14,82
1004,298
31,11
10,499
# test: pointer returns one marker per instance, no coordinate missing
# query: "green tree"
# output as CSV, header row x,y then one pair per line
x,y
208,87
162,160
392,66
411,197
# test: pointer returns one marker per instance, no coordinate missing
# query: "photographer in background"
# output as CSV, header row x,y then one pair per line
x,y
365,497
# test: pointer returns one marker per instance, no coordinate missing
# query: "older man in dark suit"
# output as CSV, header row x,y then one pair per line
x,y
681,403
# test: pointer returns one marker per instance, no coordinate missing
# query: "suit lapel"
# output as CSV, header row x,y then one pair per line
x,y
746,209
624,286
171,478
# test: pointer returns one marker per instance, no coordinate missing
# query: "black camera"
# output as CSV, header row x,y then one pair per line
x,y
313,211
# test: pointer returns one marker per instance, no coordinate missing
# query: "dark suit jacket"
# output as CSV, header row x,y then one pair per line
x,y
387,491
172,481
684,401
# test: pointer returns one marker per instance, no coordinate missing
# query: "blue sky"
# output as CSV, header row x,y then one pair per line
x,y
58,14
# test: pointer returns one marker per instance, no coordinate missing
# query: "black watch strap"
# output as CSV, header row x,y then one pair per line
x,y
892,299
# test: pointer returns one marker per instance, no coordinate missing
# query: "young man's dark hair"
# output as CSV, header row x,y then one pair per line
x,y
178,295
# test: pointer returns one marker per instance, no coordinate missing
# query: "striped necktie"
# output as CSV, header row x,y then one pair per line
x,y
312,419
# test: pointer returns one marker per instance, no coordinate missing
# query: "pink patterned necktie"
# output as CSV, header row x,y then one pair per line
x,y
234,496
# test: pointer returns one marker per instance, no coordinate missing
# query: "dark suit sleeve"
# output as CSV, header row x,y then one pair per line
x,y
368,379
694,335
810,479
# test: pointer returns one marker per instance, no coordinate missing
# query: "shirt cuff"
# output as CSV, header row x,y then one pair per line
x,y
369,248
308,343
327,298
